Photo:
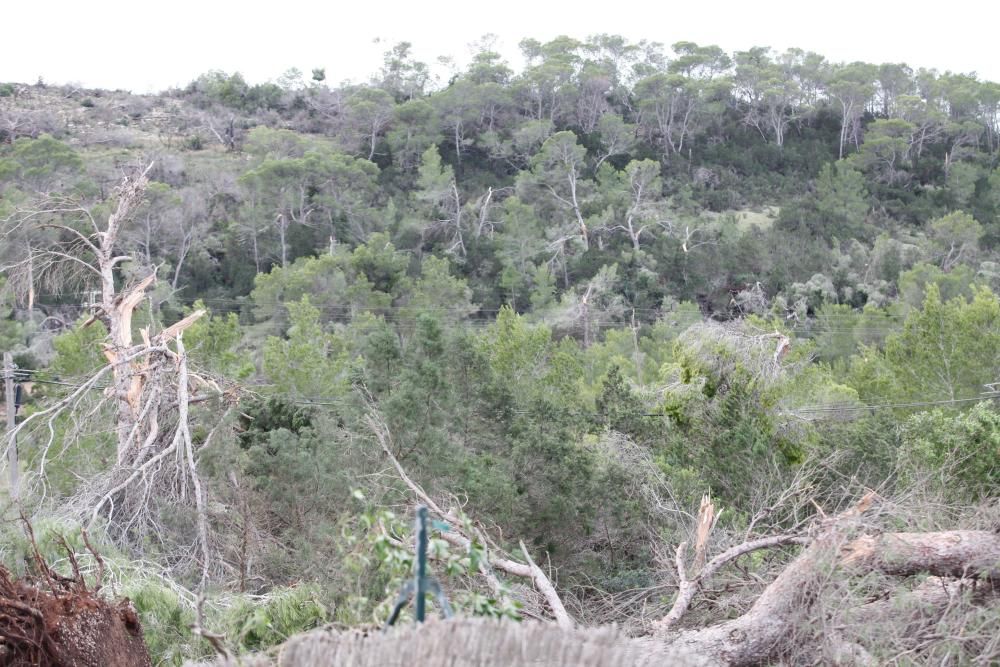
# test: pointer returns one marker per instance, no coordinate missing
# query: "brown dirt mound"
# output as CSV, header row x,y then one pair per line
x,y
57,621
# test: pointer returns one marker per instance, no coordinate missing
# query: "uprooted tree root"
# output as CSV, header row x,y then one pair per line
x,y
51,620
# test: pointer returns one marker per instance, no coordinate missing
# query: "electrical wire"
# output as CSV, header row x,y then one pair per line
x,y
812,330
985,396
334,401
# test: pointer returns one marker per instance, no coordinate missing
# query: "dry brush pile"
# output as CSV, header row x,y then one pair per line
x,y
853,595
881,581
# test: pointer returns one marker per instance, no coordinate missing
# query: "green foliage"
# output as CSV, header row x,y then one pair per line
x,y
885,150
835,209
415,406
246,623
257,625
296,461
166,623
967,444
12,332
327,281
728,400
956,236
915,284
619,408
232,90
841,331
946,351
961,183
382,551
433,179
214,341
78,351
438,291
308,461
562,288
267,143
415,131
517,351
298,179
272,415
381,264
308,362
544,290
40,164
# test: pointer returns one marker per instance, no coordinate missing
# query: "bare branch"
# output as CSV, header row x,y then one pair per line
x,y
66,228
456,537
546,588
688,588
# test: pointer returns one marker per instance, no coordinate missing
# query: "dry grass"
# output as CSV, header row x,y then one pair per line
x,y
468,643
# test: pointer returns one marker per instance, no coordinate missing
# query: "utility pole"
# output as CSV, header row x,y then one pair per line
x,y
10,396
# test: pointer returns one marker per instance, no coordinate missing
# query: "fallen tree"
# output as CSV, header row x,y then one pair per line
x,y
767,628
835,550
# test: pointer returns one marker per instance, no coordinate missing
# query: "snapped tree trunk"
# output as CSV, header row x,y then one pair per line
x,y
766,630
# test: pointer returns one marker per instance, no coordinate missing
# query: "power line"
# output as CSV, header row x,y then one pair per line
x,y
914,404
802,331
334,401
249,301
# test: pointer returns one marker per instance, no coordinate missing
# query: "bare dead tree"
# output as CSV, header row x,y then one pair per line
x,y
451,224
485,224
689,237
148,394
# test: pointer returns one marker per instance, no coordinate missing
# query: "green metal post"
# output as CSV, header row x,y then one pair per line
x,y
421,563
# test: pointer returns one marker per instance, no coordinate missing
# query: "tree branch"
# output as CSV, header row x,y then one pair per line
x,y
767,628
456,538
545,587
688,588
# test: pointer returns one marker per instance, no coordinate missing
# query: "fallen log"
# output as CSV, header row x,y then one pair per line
x,y
767,629
954,553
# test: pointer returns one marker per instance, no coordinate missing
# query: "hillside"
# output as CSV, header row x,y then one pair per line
x,y
626,299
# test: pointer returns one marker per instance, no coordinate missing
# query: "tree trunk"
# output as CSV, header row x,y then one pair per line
x,y
766,630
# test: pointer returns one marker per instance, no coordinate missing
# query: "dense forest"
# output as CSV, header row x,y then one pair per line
x,y
627,298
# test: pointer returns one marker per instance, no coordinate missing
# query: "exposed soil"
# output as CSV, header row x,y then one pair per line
x,y
58,622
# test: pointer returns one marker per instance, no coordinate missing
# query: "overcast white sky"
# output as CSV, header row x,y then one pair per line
x,y
147,46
